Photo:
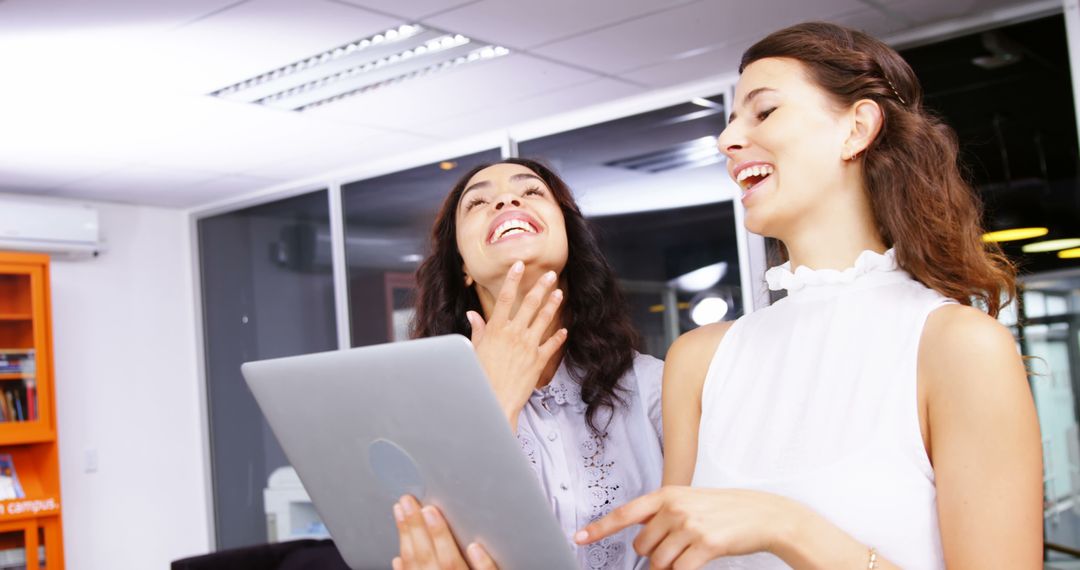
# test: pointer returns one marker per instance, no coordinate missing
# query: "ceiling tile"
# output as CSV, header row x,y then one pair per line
x,y
411,9
376,144
876,22
34,171
686,30
413,105
24,17
700,65
222,188
508,113
528,24
173,188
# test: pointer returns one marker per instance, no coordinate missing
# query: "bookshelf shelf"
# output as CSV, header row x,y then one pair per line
x,y
32,522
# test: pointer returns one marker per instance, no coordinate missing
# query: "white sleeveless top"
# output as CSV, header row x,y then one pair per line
x,y
814,398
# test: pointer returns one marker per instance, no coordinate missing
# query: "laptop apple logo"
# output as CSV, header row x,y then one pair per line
x,y
395,469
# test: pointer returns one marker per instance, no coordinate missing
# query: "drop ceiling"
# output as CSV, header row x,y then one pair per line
x,y
110,99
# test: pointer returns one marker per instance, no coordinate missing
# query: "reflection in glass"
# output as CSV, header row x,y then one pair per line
x,y
656,188
267,292
387,226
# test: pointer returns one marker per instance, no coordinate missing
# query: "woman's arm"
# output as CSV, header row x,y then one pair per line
x,y
983,440
684,376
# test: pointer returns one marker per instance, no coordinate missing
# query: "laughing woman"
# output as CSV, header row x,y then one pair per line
x,y
873,418
515,266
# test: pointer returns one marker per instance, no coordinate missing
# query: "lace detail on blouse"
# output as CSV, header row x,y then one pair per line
x,y
781,277
562,392
528,447
603,492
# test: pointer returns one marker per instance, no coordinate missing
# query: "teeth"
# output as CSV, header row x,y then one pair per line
x,y
511,225
761,170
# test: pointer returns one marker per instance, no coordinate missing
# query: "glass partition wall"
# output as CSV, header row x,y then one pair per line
x,y
387,224
267,292
655,186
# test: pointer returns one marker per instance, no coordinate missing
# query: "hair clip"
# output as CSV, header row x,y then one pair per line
x,y
895,92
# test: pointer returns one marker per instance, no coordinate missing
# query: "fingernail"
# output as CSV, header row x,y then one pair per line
x,y
581,536
399,515
557,294
473,551
429,516
518,267
549,277
408,507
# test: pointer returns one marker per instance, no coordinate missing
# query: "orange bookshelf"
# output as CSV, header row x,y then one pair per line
x,y
30,532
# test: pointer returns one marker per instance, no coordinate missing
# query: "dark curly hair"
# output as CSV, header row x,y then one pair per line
x,y
602,340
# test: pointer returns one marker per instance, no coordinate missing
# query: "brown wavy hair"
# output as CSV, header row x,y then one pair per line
x,y
602,340
922,204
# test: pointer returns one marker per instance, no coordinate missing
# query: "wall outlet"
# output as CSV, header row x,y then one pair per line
x,y
90,460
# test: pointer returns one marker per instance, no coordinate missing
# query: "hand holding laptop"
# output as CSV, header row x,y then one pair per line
x,y
427,544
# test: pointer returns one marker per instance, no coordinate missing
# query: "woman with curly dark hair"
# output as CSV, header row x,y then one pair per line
x,y
878,416
515,266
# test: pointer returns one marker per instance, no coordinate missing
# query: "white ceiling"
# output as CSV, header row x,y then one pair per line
x,y
106,99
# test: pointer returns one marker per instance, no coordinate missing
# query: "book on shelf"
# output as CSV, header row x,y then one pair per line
x,y
17,361
9,480
18,401
15,558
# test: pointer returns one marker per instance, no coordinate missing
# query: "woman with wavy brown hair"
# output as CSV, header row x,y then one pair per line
x,y
874,417
515,266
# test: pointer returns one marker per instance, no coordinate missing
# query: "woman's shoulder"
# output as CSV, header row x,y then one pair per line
x,y
957,338
699,344
953,328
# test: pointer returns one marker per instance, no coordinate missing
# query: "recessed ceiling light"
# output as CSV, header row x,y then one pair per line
x,y
1014,234
474,55
397,54
1051,245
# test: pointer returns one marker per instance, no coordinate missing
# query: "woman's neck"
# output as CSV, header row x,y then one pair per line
x,y
835,234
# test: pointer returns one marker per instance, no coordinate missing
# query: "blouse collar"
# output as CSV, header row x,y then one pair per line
x,y
563,390
868,263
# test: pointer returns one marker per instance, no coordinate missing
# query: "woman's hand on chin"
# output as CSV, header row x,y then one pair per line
x,y
512,349
427,543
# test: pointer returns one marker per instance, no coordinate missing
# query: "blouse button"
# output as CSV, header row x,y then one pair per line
x,y
552,436
564,487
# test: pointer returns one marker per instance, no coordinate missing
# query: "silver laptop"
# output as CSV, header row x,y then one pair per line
x,y
364,426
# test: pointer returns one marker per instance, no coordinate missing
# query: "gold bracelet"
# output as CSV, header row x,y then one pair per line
x,y
873,559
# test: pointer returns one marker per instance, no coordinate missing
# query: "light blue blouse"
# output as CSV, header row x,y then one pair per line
x,y
586,476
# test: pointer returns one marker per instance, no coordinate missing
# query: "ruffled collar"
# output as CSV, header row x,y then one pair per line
x,y
868,262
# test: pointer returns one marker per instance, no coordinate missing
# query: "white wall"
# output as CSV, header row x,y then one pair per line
x,y
127,388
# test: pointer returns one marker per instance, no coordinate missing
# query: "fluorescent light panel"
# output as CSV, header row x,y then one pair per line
x,y
479,54
387,58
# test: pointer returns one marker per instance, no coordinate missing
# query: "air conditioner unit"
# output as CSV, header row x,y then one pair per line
x,y
63,230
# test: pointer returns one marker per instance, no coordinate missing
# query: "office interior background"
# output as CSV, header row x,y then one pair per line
x,y
264,174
